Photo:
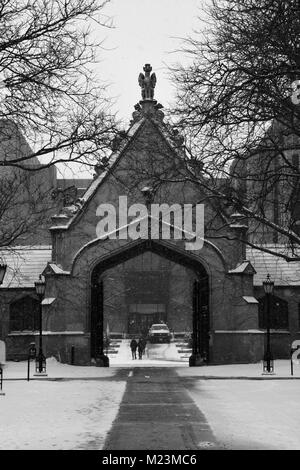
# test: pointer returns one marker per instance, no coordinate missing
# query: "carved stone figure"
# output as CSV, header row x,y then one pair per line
x,y
147,83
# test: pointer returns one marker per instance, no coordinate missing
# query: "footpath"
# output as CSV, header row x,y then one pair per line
x,y
57,371
157,413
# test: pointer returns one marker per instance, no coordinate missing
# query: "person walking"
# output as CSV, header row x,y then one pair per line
x,y
141,347
133,346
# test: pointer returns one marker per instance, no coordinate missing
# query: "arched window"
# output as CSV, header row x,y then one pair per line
x,y
279,313
24,314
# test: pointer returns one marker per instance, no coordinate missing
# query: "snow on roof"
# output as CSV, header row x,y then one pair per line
x,y
250,299
283,273
48,300
24,265
244,268
56,269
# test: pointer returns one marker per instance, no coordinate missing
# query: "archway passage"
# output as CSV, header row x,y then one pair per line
x,y
145,283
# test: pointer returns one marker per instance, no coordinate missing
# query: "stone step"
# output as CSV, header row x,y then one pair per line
x,y
117,336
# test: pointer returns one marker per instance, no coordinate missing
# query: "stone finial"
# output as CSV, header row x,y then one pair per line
x,y
147,83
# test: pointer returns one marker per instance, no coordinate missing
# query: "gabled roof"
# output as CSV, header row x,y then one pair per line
x,y
62,221
244,268
24,265
53,268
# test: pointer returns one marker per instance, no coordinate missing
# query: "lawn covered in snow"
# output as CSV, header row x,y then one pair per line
x,y
71,414
251,414
74,407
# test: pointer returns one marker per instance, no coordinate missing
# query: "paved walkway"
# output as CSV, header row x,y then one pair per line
x,y
157,413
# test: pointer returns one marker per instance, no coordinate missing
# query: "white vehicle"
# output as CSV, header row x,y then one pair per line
x,y
159,333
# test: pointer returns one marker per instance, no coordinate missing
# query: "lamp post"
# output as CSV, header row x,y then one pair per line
x,y
3,267
268,359
40,286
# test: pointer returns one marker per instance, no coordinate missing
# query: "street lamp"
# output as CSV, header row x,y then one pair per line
x,y
268,359
40,286
2,274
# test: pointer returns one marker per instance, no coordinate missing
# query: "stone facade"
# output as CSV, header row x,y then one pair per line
x,y
148,151
151,156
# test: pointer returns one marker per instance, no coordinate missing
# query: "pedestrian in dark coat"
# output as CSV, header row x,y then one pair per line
x,y
133,346
141,347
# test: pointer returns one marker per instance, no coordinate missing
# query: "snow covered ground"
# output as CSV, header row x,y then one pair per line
x,y
58,415
251,414
159,355
62,415
282,369
77,412
55,370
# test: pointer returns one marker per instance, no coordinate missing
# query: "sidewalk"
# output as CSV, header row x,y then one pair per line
x,y
157,413
282,370
56,370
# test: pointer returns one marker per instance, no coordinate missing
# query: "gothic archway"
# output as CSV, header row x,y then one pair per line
x,y
199,298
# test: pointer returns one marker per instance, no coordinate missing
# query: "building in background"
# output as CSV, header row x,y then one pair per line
x,y
95,284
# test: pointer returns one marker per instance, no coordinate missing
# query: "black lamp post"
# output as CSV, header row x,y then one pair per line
x,y
2,274
268,359
40,286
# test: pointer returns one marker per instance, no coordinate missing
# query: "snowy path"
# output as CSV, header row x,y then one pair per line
x,y
157,413
165,354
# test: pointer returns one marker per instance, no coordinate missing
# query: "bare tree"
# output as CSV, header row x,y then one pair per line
x,y
26,205
240,116
48,89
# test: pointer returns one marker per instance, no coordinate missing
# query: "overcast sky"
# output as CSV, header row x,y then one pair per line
x,y
145,31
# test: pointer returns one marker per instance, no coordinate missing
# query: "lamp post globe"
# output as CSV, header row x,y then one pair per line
x,y
268,285
40,287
